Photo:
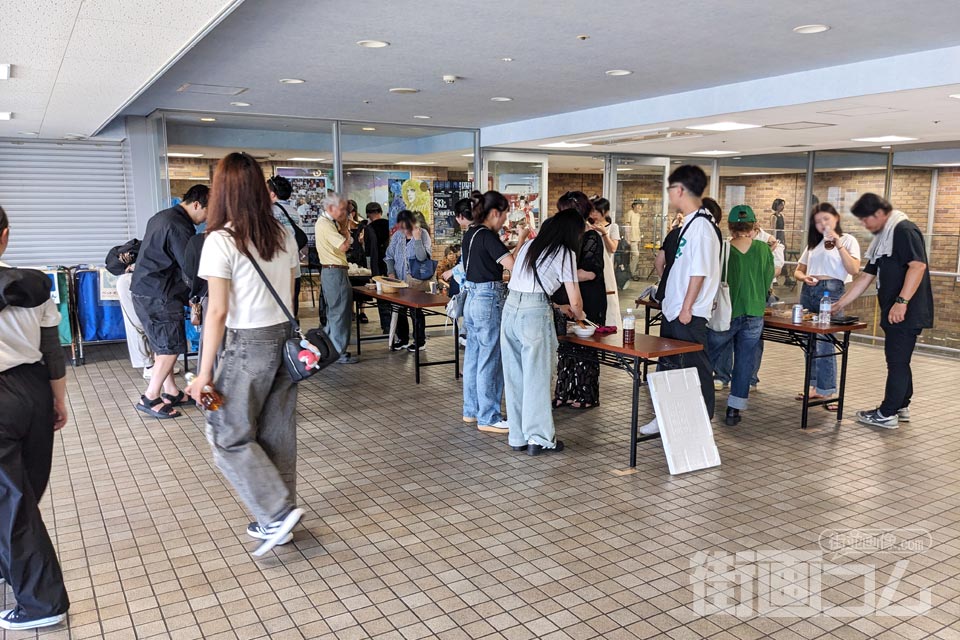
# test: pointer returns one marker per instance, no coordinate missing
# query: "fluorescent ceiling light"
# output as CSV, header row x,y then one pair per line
x,y
955,96
240,104
714,152
760,173
373,44
29,133
306,159
566,145
624,169
885,147
501,99
422,117
723,126
173,154
291,81
4,71
467,155
208,119
6,115
808,29
368,128
404,90
412,163
948,164
884,139
618,72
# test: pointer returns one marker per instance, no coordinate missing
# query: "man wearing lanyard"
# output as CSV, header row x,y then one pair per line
x,y
897,258
333,240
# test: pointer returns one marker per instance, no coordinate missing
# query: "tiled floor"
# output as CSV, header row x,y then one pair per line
x,y
419,526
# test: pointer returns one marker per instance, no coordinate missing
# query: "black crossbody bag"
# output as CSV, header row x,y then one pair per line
x,y
298,234
303,356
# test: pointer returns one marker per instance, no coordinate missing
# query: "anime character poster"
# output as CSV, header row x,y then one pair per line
x,y
413,194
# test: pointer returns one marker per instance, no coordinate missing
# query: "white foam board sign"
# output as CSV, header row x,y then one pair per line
x,y
684,424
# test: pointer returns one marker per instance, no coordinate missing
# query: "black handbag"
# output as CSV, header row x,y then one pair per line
x,y
303,356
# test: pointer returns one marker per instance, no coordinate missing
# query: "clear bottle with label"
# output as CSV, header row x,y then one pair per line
x,y
825,306
629,326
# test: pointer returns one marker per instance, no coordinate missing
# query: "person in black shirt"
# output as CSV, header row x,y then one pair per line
x,y
378,267
159,294
897,258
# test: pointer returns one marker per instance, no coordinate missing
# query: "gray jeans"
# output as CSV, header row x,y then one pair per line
x,y
254,434
338,296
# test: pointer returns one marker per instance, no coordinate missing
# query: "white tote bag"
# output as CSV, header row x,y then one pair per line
x,y
722,309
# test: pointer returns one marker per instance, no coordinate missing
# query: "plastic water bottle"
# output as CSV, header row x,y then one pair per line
x,y
825,306
629,326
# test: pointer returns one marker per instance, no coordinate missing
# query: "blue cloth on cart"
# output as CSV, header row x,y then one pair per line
x,y
98,320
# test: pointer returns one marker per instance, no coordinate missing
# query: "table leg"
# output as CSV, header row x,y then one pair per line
x,y
810,347
456,349
634,411
843,373
646,331
416,352
358,304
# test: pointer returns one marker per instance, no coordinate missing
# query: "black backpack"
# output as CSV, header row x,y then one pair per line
x,y
298,233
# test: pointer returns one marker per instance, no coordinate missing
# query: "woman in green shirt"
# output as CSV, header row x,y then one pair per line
x,y
749,274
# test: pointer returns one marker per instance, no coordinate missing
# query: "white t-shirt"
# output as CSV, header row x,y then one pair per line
x,y
828,262
613,229
559,268
20,332
250,303
697,255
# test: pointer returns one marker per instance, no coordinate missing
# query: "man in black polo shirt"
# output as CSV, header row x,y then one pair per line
x,y
159,294
897,258
381,229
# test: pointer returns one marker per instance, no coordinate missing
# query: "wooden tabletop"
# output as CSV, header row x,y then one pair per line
x,y
644,346
407,297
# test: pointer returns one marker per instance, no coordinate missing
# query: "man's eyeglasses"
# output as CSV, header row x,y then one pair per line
x,y
674,186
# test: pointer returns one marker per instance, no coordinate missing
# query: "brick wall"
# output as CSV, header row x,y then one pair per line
x,y
559,183
759,192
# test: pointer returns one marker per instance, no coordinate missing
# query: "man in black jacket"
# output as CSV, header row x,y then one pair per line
x,y
160,293
381,229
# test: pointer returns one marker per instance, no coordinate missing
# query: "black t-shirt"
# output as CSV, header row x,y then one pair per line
x,y
891,270
382,230
482,251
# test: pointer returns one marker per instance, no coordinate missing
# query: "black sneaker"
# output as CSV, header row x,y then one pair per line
x,y
16,619
254,530
278,531
398,346
535,449
413,347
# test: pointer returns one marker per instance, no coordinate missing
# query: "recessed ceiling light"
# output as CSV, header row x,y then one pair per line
x,y
413,163
884,139
422,117
208,119
618,72
583,36
506,59
467,155
306,159
6,115
240,104
373,44
501,99
566,145
4,71
809,29
714,152
723,126
291,81
172,154
368,128
404,90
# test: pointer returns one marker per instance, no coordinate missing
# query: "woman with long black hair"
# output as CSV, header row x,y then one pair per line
x,y
528,336
254,433
32,407
578,381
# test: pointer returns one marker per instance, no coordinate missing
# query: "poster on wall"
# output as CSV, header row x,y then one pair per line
x,y
309,189
445,196
371,186
523,192
413,194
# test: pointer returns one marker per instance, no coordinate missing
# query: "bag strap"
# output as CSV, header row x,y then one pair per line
x,y
289,219
276,296
724,261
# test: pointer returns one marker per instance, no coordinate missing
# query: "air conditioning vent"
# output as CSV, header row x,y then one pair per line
x,y
211,89
795,126
639,137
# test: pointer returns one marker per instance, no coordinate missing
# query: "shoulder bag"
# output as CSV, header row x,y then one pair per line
x,y
421,269
722,308
455,306
299,235
302,355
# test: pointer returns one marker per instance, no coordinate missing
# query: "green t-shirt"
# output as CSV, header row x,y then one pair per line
x,y
749,277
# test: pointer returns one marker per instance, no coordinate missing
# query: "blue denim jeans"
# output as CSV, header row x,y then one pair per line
x,y
482,369
823,375
744,335
528,341
723,364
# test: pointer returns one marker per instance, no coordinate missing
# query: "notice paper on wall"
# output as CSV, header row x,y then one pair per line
x,y
684,423
54,285
108,286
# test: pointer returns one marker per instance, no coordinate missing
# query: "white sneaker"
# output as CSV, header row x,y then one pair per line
x,y
463,341
148,371
500,427
254,530
903,415
279,530
651,428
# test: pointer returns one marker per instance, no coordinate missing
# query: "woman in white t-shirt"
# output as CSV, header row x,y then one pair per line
x,y
528,335
830,260
254,433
